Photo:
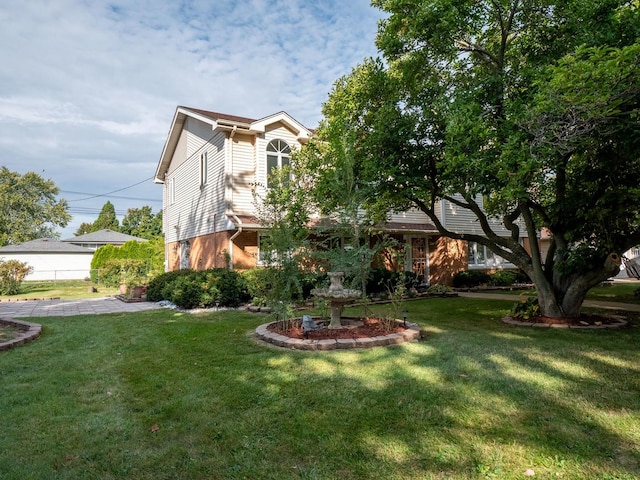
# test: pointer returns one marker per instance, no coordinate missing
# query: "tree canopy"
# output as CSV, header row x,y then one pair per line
x,y
142,222
524,111
29,208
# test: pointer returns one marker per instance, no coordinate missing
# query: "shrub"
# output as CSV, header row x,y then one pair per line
x,y
151,253
258,281
438,289
503,278
186,292
232,287
12,273
470,278
526,308
206,288
383,281
157,284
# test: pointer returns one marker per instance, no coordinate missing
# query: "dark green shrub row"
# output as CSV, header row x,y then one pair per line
x,y
104,259
501,278
199,289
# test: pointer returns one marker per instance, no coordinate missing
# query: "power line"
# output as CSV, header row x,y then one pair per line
x,y
109,193
110,196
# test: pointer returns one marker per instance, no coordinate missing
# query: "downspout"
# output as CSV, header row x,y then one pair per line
x,y
239,222
233,237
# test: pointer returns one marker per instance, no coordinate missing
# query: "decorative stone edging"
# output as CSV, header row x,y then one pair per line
x,y
618,322
28,331
412,333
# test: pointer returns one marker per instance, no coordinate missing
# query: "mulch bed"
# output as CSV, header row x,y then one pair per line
x,y
371,327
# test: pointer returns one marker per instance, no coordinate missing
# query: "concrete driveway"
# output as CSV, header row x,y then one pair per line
x,y
58,308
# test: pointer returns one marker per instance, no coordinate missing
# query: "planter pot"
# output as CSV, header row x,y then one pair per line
x,y
136,292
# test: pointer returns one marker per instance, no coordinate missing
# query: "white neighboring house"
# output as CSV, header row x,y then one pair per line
x,y
51,259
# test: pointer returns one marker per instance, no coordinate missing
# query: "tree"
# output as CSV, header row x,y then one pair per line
x,y
283,209
106,219
84,228
142,222
29,208
523,111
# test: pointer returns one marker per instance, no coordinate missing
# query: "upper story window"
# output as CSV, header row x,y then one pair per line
x,y
278,152
203,169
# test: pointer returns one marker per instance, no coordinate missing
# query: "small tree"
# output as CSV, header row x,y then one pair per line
x,y
283,209
12,273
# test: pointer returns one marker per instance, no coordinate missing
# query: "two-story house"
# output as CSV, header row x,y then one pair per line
x,y
208,168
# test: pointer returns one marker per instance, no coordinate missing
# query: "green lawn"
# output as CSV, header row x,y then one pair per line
x,y
614,292
67,289
166,395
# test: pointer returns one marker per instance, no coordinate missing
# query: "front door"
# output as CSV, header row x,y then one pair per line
x,y
419,257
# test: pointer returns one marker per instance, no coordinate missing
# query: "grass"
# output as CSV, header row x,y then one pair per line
x,y
623,292
66,289
617,292
164,395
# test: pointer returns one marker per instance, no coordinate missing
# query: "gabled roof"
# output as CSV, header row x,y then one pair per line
x,y
224,122
45,245
105,237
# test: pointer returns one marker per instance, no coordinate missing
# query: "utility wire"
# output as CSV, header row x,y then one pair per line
x,y
109,193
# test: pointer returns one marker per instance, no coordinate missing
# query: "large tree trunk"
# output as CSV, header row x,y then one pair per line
x,y
565,296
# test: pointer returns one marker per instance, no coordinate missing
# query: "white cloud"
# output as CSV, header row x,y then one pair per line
x,y
90,87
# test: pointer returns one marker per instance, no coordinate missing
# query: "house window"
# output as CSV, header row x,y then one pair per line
x,y
481,257
203,169
278,152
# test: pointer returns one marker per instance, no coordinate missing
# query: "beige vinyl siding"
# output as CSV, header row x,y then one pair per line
x,y
194,209
241,174
461,220
410,216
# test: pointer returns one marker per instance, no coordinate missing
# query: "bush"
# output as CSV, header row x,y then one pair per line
x,y
12,273
470,278
383,281
503,278
189,292
527,308
438,289
151,253
157,284
258,281
206,288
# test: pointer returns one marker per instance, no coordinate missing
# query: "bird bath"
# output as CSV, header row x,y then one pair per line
x,y
337,296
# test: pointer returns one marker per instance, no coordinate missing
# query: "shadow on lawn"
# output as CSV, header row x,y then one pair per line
x,y
476,399
461,404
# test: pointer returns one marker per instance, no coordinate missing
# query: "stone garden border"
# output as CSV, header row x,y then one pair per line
x,y
28,331
411,334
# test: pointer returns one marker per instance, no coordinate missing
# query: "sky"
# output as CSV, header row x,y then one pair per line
x,y
88,88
